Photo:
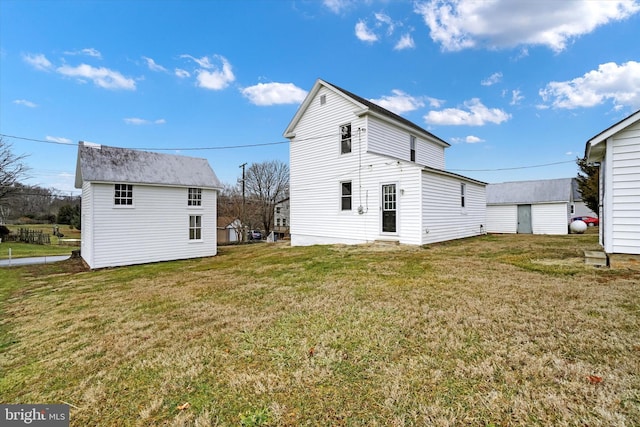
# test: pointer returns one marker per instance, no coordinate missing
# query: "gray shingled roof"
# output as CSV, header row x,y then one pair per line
x,y
112,164
530,192
383,111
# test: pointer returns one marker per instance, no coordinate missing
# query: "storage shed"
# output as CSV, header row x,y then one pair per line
x,y
530,207
141,207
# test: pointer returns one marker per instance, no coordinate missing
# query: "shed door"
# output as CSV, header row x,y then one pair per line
x,y
389,208
524,219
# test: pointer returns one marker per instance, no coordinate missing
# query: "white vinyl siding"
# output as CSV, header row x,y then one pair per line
x,y
442,217
86,243
502,219
156,229
624,188
317,167
550,218
393,141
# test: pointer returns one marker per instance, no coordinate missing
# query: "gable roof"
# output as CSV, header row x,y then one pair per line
x,y
100,163
366,107
529,192
595,148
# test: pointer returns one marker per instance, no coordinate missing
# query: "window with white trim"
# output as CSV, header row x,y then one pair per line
x,y
345,138
195,227
412,148
345,194
195,197
463,191
123,195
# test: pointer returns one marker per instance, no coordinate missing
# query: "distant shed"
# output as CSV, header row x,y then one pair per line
x,y
530,207
141,207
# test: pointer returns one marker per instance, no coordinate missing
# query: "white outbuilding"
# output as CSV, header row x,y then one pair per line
x,y
141,207
530,207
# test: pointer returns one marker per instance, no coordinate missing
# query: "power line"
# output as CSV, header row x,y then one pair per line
x,y
512,168
228,147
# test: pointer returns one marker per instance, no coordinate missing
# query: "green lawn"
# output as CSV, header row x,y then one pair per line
x,y
492,331
22,250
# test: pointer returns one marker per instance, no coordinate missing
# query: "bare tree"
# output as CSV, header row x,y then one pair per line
x,y
266,184
12,169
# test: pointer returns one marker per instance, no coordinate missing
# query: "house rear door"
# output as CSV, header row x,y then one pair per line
x,y
389,205
524,219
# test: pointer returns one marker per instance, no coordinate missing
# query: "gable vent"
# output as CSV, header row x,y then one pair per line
x,y
323,99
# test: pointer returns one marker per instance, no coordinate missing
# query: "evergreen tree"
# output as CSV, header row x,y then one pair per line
x,y
588,180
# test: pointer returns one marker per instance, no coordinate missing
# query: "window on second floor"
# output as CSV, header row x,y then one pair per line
x,y
412,148
123,195
345,188
195,197
345,139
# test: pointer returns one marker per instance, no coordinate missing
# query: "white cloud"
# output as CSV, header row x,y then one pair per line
x,y
203,62
472,139
492,79
88,52
25,103
58,139
138,121
209,75
462,24
399,102
274,93
516,97
405,42
38,61
102,77
385,19
336,6
474,114
183,74
153,66
618,83
365,34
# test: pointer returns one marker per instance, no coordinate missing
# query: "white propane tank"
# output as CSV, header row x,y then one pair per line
x,y
578,227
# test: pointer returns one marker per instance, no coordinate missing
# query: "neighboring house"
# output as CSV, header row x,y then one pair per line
x,y
360,173
281,218
140,207
229,229
617,150
530,207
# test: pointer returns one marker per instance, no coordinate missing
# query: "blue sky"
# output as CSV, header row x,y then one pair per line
x,y
516,87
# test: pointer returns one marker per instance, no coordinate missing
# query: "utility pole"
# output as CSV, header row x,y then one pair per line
x,y
244,228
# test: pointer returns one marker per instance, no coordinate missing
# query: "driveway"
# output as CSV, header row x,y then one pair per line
x,y
33,260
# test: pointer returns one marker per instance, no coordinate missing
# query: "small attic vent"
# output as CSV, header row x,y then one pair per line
x,y
323,99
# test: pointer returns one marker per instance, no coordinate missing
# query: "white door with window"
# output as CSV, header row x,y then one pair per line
x,y
389,208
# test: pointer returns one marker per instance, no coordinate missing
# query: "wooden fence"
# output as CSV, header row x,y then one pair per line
x,y
25,235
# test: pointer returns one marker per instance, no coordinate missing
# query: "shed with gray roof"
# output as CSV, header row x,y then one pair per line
x,y
530,207
140,207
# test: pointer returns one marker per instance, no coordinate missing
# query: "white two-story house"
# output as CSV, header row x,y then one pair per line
x,y
141,207
360,173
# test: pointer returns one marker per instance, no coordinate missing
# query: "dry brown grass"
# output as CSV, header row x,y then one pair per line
x,y
497,330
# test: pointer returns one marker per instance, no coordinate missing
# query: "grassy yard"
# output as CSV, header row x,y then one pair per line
x,y
21,250
510,330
